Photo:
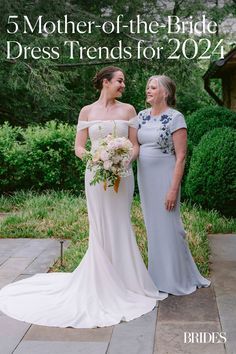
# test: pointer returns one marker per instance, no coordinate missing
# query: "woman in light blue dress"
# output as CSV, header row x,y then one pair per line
x,y
162,136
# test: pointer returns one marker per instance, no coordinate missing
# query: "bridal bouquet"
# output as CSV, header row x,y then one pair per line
x,y
110,161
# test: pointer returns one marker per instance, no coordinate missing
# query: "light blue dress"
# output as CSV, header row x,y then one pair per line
x,y
170,262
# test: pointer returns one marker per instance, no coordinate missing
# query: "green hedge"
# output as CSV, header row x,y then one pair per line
x,y
206,119
211,178
201,122
9,141
39,157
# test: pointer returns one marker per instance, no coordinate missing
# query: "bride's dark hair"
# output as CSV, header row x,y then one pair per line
x,y
105,73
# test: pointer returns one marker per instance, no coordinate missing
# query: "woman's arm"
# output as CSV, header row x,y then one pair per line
x,y
133,135
180,145
82,135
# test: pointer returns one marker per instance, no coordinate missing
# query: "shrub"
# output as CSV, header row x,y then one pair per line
x,y
206,119
44,159
211,178
201,122
9,142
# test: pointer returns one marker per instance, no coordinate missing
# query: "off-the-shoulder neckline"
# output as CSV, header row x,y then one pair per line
x,y
82,124
107,120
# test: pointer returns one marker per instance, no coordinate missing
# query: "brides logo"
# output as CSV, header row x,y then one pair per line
x,y
204,337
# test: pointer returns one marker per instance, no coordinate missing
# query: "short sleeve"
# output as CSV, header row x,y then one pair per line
x,y
133,122
139,116
177,122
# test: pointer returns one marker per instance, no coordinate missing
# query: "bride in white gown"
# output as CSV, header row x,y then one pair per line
x,y
111,284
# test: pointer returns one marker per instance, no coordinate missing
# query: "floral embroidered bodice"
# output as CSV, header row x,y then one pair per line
x,y
155,132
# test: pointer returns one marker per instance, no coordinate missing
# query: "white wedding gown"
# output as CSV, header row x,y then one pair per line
x,y
111,283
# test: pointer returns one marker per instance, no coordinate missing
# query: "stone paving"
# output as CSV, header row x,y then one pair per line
x,y
223,253
158,332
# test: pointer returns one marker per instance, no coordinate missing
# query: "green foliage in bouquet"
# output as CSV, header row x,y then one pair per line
x,y
211,181
102,175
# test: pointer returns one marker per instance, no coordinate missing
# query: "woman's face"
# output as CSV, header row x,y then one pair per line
x,y
155,93
116,85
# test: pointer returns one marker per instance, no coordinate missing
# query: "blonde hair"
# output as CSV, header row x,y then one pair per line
x,y
168,84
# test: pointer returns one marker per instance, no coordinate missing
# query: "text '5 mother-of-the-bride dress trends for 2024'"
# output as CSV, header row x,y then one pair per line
x,y
111,283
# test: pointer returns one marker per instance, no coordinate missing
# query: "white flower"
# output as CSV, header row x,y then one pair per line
x,y
114,170
116,159
96,156
104,155
125,162
107,165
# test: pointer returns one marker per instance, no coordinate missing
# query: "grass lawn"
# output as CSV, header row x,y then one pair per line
x,y
62,215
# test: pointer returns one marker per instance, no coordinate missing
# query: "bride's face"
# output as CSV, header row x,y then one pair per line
x,y
116,85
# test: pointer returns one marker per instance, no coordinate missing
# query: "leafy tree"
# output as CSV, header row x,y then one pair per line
x,y
33,91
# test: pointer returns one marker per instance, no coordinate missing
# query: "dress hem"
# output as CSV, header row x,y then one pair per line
x,y
129,318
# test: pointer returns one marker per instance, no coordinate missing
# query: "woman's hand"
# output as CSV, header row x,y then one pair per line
x,y
171,199
180,144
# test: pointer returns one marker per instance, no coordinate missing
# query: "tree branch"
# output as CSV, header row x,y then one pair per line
x,y
87,63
